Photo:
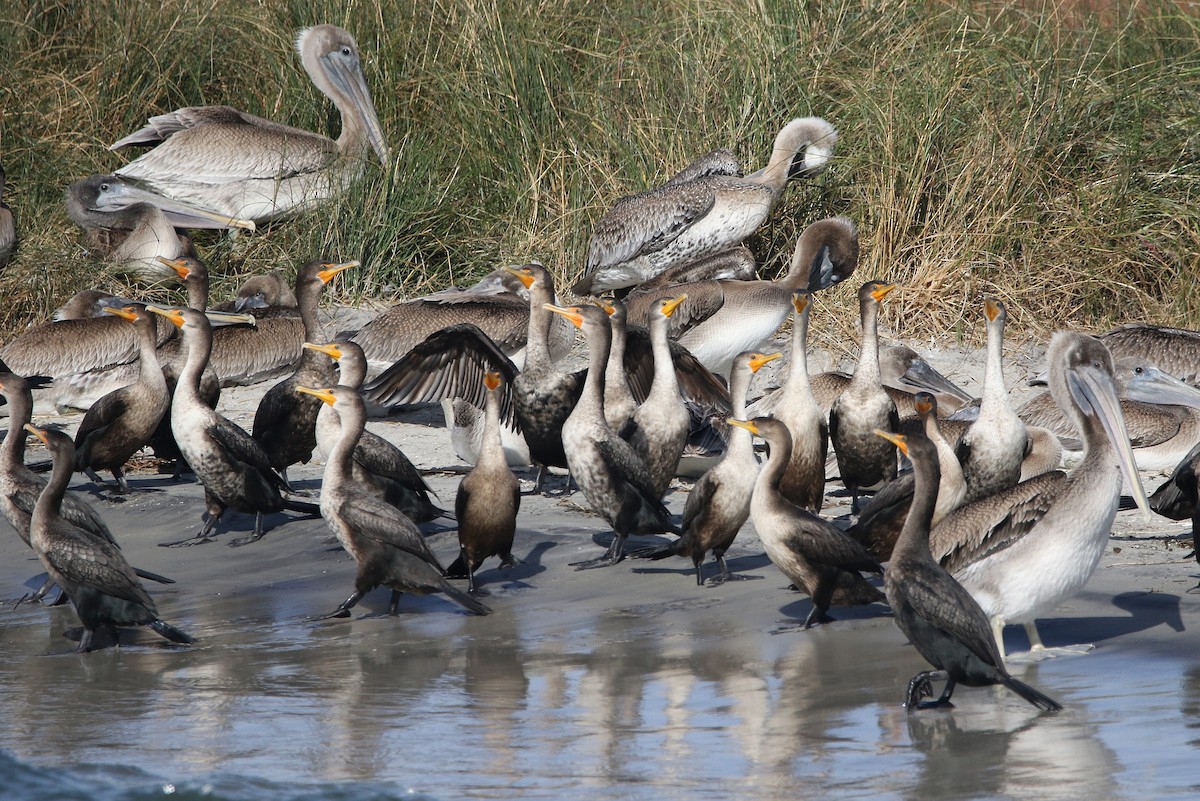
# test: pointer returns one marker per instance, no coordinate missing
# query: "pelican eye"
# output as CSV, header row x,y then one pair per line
x,y
103,187
345,51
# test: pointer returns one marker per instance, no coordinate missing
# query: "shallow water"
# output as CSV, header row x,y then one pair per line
x,y
640,703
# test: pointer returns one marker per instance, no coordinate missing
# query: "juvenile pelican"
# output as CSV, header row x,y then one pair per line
x,y
246,167
706,209
1026,549
720,319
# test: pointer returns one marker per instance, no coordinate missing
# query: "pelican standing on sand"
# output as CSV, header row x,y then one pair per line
x,y
940,618
706,209
236,164
1024,550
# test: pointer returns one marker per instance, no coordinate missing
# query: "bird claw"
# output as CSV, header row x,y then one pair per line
x,y
920,687
591,564
240,541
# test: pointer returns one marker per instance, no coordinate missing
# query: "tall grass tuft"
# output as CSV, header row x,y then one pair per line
x,y
1043,152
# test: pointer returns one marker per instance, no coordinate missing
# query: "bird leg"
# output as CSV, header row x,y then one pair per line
x,y
614,554
394,603
344,609
1038,651
203,538
122,484
725,574
255,537
85,642
921,686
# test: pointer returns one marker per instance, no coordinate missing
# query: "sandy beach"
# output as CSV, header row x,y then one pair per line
x,y
625,682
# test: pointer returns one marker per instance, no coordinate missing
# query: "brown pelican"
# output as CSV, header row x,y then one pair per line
x,y
735,264
615,481
816,555
267,291
488,500
499,305
720,319
992,449
8,228
1162,415
377,465
127,228
123,421
275,343
386,546
103,588
719,503
88,303
884,515
803,480
232,466
1022,551
1175,351
940,618
246,167
864,459
706,209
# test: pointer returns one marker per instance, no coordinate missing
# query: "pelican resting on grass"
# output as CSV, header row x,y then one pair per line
x,y
246,167
706,209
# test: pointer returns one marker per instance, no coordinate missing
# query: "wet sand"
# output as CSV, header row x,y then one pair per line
x,y
625,682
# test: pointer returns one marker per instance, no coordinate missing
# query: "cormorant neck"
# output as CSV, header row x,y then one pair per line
x,y
994,390
150,372
308,298
351,422
914,536
665,385
798,383
537,344
49,503
352,370
868,359
198,345
491,449
599,341
779,453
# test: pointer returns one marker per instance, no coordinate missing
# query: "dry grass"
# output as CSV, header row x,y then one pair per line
x,y
1043,153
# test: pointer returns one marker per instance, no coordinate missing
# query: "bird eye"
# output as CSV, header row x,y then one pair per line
x,y
345,51
103,187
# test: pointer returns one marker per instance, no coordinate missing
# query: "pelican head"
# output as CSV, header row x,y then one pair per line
x,y
330,57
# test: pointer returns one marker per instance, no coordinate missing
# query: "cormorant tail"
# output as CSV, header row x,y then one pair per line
x,y
146,574
307,507
170,632
458,569
656,552
1031,695
465,601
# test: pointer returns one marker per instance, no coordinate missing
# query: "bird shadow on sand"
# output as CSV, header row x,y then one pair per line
x,y
741,567
500,580
1146,611
797,612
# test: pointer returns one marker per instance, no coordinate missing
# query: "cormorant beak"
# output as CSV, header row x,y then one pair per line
x,y
746,424
992,309
800,301
668,307
331,270
178,265
173,315
127,313
881,292
523,274
331,350
609,309
37,432
324,394
571,313
759,359
491,381
899,440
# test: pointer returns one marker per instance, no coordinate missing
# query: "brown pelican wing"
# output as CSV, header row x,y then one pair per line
x,y
161,127
448,364
644,223
715,162
232,151
994,522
